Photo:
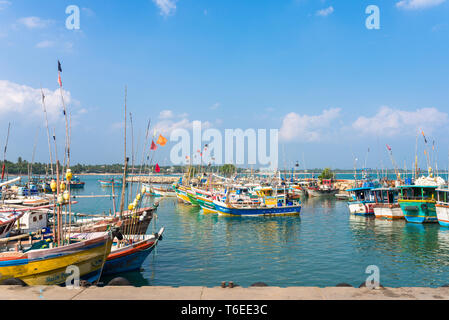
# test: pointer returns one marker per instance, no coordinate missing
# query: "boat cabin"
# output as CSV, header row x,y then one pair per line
x,y
412,192
386,195
362,194
442,196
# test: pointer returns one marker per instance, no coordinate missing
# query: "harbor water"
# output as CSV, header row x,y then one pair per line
x,y
324,246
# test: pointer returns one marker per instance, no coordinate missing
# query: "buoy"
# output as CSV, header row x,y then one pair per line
x,y
60,199
53,185
66,195
68,175
119,281
62,186
138,196
130,207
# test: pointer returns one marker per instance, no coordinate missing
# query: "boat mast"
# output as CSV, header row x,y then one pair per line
x,y
122,200
48,131
4,151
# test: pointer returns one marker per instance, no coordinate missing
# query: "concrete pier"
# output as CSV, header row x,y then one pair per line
x,y
217,293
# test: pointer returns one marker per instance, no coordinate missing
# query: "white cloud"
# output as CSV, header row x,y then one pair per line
x,y
166,114
45,44
171,121
307,128
390,122
325,12
34,22
4,4
166,7
25,102
418,4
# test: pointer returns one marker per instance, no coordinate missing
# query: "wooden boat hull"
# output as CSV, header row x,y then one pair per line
x,y
80,185
206,204
131,257
49,266
321,193
181,193
361,208
419,211
227,209
388,211
442,214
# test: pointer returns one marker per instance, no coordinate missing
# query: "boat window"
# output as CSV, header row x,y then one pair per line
x,y
428,193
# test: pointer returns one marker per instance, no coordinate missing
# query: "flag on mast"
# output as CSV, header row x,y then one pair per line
x,y
161,141
59,74
425,140
153,146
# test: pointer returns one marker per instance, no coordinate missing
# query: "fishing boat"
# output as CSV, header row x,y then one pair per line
x,y
326,189
181,193
271,204
76,183
387,206
41,265
442,207
136,221
205,200
128,255
343,196
418,203
109,183
156,191
8,220
362,202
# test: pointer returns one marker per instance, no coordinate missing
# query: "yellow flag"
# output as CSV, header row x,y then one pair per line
x,y
161,141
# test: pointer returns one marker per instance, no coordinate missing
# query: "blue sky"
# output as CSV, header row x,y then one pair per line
x,y
309,68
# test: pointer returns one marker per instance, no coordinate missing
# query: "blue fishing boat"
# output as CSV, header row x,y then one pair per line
x,y
126,254
271,204
418,203
76,183
132,256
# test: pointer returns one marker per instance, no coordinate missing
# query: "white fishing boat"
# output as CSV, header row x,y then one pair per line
x,y
387,206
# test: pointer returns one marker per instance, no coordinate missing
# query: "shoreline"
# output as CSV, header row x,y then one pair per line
x,y
218,293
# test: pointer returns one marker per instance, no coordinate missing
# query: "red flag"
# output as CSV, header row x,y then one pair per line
x,y
59,79
157,169
388,147
153,146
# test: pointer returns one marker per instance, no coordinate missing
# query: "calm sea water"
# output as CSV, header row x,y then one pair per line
x,y
323,246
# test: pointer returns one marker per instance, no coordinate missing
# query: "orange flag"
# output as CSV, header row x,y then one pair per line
x,y
161,141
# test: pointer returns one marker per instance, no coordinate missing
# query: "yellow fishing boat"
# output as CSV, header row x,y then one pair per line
x,y
50,266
